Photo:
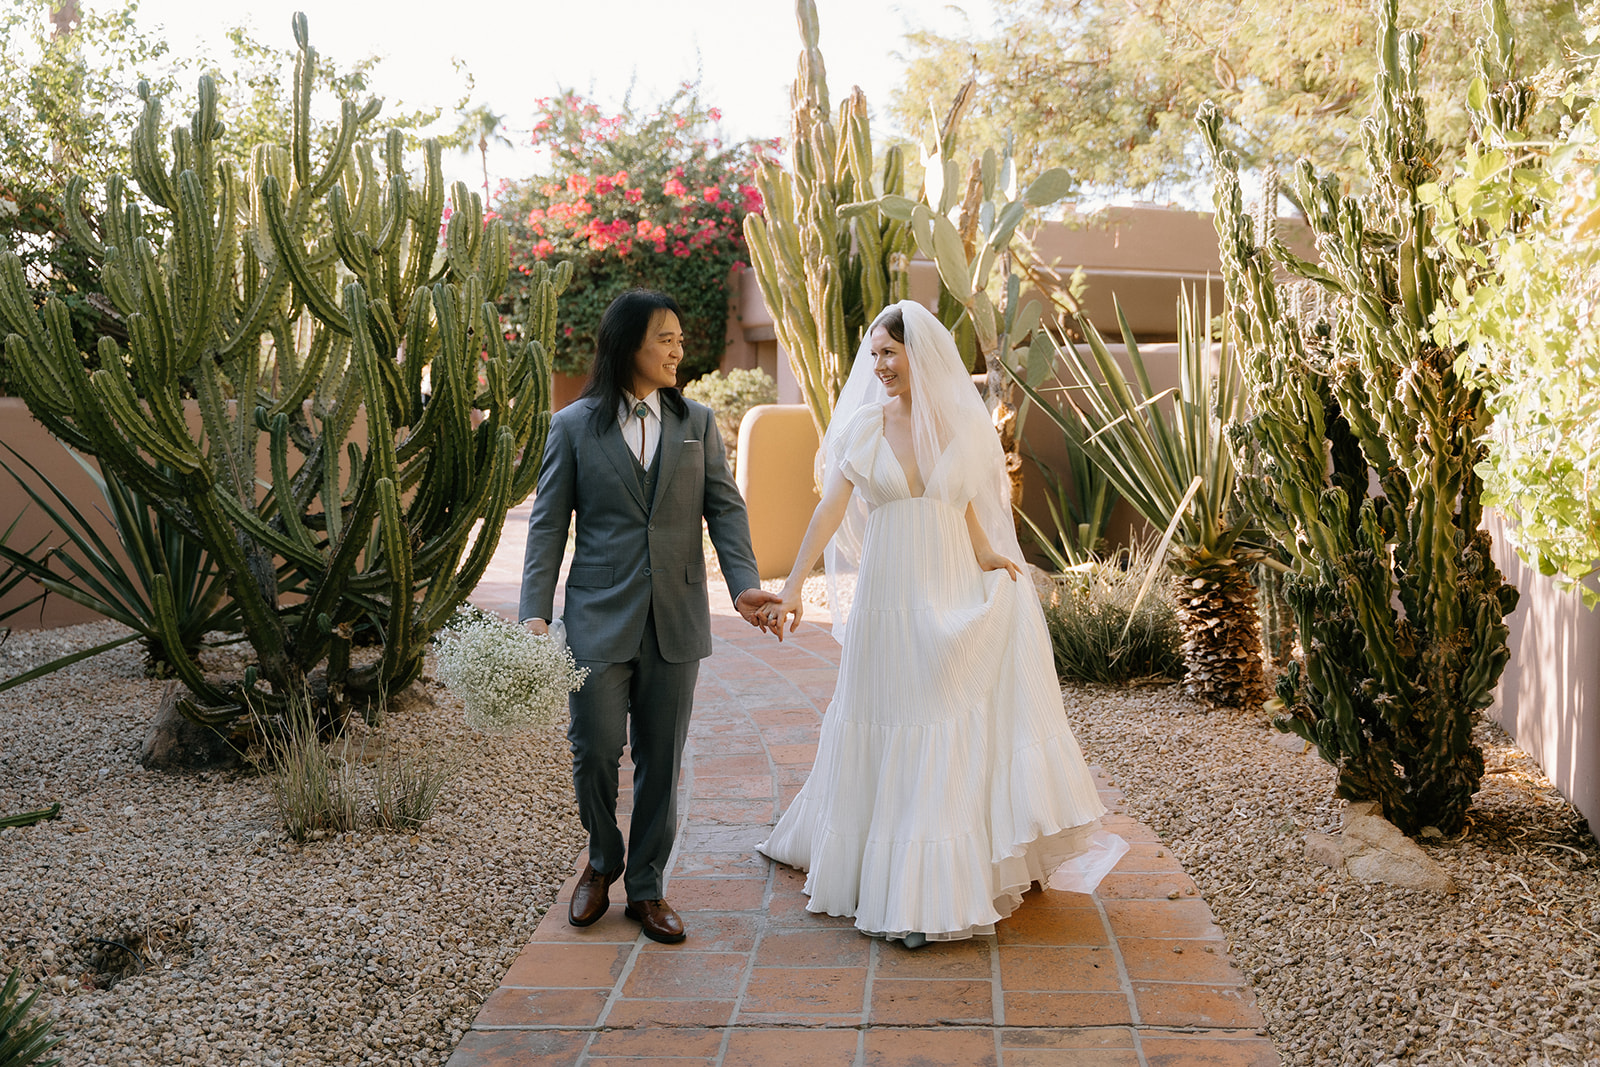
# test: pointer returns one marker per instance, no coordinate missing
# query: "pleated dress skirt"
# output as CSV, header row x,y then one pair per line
x,y
947,779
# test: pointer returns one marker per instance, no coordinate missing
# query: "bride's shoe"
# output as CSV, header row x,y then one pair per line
x,y
914,940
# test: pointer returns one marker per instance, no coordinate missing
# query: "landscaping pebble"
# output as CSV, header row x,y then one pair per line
x,y
1504,971
170,920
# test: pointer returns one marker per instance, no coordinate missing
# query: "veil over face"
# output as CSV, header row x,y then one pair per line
x,y
957,449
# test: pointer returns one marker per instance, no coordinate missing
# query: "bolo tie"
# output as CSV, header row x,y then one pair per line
x,y
641,410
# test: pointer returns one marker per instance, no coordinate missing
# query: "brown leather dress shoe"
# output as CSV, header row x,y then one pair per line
x,y
591,896
660,922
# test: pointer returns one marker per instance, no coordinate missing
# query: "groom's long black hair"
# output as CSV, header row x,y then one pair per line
x,y
621,335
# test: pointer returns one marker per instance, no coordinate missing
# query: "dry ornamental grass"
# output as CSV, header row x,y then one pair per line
x,y
171,919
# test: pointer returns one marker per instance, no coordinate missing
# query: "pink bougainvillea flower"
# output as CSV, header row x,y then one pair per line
x,y
715,114
711,194
602,186
578,184
673,187
633,196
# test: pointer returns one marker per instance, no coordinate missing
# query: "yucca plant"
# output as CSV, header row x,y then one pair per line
x,y
13,575
1177,471
88,571
23,1040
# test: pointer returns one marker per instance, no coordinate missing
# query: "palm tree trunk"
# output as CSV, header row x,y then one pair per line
x,y
1222,632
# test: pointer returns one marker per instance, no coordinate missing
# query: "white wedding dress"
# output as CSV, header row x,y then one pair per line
x,y
947,779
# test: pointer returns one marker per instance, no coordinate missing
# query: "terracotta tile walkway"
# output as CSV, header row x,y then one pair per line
x,y
1137,974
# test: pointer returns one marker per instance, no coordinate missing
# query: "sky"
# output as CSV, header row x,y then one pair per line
x,y
743,51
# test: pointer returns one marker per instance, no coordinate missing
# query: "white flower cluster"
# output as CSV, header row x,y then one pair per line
x,y
507,678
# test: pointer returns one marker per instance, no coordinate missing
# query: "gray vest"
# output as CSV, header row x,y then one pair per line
x,y
648,478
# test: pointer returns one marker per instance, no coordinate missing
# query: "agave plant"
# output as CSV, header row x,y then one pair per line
x,y
24,1040
121,586
1177,471
1080,501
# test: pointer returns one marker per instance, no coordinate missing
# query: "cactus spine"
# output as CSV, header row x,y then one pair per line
x,y
1358,459
297,305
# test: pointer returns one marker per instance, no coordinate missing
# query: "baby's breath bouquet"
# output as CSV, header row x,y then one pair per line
x,y
506,677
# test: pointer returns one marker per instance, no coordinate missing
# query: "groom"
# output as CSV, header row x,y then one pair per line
x,y
640,466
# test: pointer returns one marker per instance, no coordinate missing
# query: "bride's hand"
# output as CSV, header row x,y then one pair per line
x,y
994,561
778,614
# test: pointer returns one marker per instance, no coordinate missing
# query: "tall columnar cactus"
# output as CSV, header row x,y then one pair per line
x,y
303,305
824,271
834,245
1359,458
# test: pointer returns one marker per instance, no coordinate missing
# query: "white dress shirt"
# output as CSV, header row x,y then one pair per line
x,y
644,451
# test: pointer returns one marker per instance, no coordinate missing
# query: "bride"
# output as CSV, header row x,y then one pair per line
x,y
947,780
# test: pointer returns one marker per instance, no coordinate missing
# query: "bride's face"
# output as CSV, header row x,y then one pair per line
x,y
889,363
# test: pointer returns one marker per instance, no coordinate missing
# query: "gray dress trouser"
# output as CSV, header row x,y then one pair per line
x,y
645,701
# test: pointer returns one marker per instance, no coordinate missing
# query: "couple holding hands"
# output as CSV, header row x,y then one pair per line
x,y
947,780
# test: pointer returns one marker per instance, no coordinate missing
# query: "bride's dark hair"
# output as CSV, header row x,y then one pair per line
x,y
892,320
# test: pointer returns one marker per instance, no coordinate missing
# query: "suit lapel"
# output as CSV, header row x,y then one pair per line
x,y
616,450
672,426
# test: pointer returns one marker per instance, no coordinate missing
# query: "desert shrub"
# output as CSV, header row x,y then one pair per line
x,y
314,789
1088,617
405,790
730,396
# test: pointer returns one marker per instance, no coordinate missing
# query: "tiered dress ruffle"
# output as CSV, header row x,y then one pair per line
x,y
947,779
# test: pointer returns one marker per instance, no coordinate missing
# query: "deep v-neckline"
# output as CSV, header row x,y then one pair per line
x,y
905,477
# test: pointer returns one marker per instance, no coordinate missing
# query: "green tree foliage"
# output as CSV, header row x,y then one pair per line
x,y
1108,90
68,108
649,198
72,75
1520,220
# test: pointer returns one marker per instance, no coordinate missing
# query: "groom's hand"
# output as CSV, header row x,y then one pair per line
x,y
750,605
538,627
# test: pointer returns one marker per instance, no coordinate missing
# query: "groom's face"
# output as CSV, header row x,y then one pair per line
x,y
655,365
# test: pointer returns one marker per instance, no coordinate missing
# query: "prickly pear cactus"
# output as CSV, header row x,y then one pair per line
x,y
311,309
1361,448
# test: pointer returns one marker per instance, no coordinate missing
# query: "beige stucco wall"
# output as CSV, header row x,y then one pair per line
x,y
1549,695
21,431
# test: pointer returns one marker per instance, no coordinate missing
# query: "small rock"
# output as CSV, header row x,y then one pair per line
x,y
175,743
1376,851
1325,849
1291,743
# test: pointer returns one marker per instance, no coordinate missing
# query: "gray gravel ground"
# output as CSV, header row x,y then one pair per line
x,y
372,947
1507,971
367,947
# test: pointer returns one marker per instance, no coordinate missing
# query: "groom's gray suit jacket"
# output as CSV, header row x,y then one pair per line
x,y
633,554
